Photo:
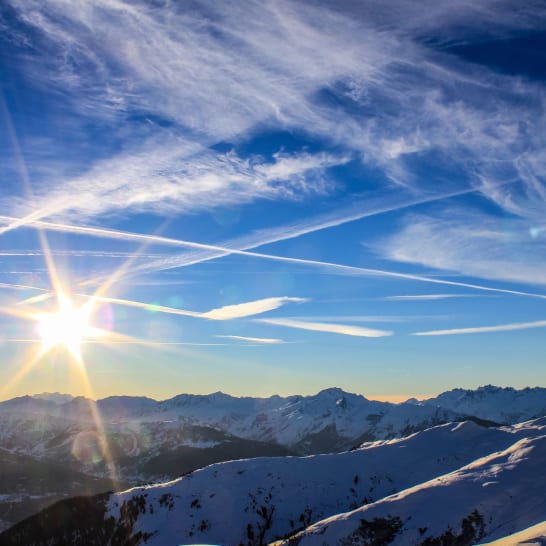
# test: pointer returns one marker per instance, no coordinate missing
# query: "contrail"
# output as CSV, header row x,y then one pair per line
x,y
346,269
343,329
21,287
485,329
290,232
218,250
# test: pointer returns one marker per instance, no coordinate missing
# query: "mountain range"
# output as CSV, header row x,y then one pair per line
x,y
454,484
60,451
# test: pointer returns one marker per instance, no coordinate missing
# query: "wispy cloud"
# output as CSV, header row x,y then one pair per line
x,y
84,253
357,318
176,178
364,208
186,62
183,65
249,308
343,329
228,312
352,318
470,242
264,340
327,266
485,329
9,286
425,297
148,343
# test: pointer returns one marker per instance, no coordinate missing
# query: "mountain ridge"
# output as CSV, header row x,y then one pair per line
x,y
151,441
260,501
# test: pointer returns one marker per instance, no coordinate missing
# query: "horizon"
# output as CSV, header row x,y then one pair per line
x,y
375,398
261,198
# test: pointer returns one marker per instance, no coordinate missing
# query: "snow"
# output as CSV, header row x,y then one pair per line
x,y
428,509
287,421
290,421
435,475
532,536
501,405
55,397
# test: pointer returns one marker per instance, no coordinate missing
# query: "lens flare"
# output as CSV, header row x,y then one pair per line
x,y
68,327
86,448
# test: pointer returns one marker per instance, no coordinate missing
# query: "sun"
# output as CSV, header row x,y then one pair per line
x,y
67,327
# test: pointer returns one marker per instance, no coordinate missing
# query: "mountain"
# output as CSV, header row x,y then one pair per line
x,y
460,479
329,420
140,430
55,397
332,420
29,485
493,496
501,405
532,536
141,440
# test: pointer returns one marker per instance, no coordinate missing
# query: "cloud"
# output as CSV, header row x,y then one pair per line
x,y
186,62
365,208
356,318
10,286
177,177
249,308
264,340
125,61
330,267
344,329
84,253
397,100
470,242
228,312
184,65
375,205
145,342
424,297
485,329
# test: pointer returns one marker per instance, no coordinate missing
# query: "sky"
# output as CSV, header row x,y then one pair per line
x,y
273,197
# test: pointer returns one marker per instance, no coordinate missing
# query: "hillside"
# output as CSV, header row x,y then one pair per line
x,y
426,476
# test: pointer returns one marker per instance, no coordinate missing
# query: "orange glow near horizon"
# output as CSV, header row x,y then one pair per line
x,y
397,398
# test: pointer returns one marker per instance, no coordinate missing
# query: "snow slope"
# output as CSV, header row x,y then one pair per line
x,y
491,497
532,536
442,474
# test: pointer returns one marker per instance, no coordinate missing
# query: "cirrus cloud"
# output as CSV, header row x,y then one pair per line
x,y
343,329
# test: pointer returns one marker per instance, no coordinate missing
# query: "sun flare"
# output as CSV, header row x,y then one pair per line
x,y
67,327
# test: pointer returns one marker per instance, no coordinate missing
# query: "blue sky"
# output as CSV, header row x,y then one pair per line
x,y
275,197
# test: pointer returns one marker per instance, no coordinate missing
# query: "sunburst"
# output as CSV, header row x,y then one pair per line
x,y
66,327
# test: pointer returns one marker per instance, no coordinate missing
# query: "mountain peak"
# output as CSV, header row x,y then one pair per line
x,y
333,392
56,397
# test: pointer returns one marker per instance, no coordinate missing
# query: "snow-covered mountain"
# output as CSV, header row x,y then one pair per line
x,y
532,536
501,405
143,433
456,480
151,440
56,397
493,496
330,420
